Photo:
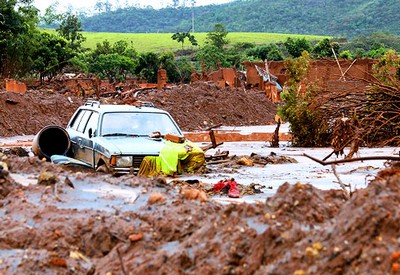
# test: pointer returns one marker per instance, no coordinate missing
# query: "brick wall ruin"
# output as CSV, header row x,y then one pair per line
x,y
330,75
325,73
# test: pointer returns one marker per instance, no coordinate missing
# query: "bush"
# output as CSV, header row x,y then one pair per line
x,y
306,125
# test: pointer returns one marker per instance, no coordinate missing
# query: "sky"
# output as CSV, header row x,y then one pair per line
x,y
87,5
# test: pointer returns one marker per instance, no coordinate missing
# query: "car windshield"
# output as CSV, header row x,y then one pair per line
x,y
140,124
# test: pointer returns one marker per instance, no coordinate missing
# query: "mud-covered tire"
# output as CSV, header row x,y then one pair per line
x,y
103,168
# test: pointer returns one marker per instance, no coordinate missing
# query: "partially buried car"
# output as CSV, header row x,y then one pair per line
x,y
116,138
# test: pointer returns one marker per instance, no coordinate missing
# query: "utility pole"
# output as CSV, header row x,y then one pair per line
x,y
192,19
193,4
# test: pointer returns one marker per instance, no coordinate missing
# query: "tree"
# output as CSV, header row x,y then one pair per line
x,y
377,53
325,48
102,48
181,36
18,32
148,66
114,62
70,29
243,46
103,6
175,4
120,46
212,57
79,63
236,54
184,68
114,67
50,16
306,125
51,55
213,54
217,37
346,55
373,45
234,58
387,70
266,52
178,71
274,53
295,47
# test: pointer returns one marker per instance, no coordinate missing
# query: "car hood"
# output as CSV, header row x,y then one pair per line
x,y
129,145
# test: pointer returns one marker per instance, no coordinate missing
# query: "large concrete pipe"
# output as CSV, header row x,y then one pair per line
x,y
51,140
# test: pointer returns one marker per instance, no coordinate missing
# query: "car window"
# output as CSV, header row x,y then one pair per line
x,y
77,119
92,123
167,126
138,124
84,121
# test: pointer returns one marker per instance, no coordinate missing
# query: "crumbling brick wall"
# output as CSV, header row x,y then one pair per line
x,y
326,73
15,86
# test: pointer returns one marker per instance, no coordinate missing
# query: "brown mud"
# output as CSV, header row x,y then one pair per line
x,y
195,107
299,230
61,227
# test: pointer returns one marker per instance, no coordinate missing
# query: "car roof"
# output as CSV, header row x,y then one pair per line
x,y
104,108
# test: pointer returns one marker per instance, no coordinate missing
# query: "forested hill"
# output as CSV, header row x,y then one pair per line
x,y
319,17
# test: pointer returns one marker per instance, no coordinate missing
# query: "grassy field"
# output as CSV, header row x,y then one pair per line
x,y
158,42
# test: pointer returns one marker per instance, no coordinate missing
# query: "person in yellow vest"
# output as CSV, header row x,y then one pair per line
x,y
176,157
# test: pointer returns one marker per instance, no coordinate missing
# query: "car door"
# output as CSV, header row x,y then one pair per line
x,y
89,131
82,144
74,135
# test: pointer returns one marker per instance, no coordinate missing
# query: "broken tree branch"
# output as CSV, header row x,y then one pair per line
x,y
341,184
345,72
352,160
123,269
337,62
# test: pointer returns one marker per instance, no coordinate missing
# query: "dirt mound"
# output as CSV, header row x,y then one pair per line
x,y
27,113
363,236
300,230
193,107
202,105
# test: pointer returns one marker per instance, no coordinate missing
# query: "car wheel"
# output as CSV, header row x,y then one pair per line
x,y
103,168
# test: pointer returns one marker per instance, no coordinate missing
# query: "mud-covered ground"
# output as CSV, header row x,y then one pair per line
x,y
76,221
87,223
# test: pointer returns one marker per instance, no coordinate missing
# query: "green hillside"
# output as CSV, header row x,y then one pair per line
x,y
163,41
322,17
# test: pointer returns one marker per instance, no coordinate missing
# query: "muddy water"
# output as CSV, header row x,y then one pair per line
x,y
270,176
357,174
97,193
